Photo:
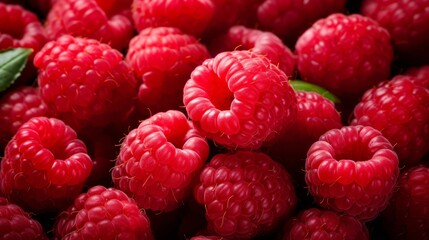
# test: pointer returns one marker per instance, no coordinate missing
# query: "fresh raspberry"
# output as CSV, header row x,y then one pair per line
x,y
344,54
18,106
106,21
84,82
239,99
407,23
314,223
407,215
190,16
240,37
245,194
103,213
352,170
163,67
288,19
44,166
159,159
16,224
400,110
420,75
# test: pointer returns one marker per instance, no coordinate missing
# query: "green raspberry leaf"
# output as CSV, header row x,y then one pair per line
x,y
299,85
12,62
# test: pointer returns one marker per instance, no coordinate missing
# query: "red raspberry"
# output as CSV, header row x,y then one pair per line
x,y
345,54
288,19
163,66
106,21
18,106
245,194
158,161
190,16
84,82
44,166
407,22
265,43
324,224
407,215
15,223
420,75
103,213
400,110
239,99
352,170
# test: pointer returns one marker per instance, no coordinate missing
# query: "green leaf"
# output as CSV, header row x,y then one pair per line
x,y
299,85
12,62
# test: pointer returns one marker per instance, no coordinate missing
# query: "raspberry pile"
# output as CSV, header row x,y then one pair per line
x,y
214,119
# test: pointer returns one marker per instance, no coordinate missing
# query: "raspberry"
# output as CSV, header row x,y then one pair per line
x,y
84,82
106,21
163,66
288,19
245,194
407,215
407,22
103,213
352,170
314,223
18,106
44,166
190,16
400,110
345,54
15,223
239,99
420,75
159,159
265,43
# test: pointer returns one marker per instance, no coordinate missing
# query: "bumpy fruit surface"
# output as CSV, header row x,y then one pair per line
x,y
352,170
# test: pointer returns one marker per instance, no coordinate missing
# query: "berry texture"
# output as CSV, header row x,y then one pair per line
x,y
352,170
16,224
84,82
313,223
245,194
239,99
400,110
106,21
407,23
240,37
103,213
44,166
159,159
407,215
420,75
163,67
190,16
346,55
288,19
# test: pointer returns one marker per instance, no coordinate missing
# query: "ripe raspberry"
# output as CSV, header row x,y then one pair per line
x,y
103,213
163,66
352,170
400,110
407,215
288,19
420,75
324,224
84,82
345,54
106,21
407,22
265,43
190,16
15,223
18,106
239,99
44,166
158,161
245,194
